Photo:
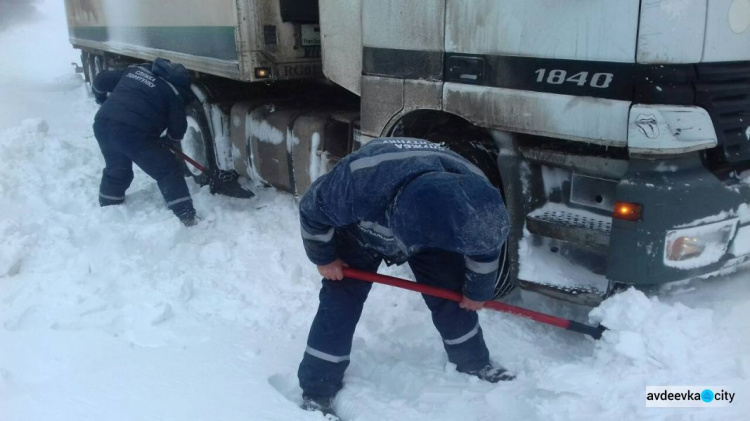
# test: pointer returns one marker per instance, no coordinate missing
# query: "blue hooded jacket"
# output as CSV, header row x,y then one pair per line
x,y
399,196
149,98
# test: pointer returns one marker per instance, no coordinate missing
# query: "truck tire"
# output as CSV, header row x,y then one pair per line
x,y
95,66
99,65
483,159
471,143
198,143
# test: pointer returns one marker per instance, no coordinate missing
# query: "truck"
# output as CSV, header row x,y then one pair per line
x,y
618,131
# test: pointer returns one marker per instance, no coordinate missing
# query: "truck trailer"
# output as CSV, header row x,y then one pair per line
x,y
618,131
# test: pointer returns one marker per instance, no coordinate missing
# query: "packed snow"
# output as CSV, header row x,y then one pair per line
x,y
121,313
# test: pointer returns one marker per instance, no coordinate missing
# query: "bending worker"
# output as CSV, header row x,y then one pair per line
x,y
143,101
400,200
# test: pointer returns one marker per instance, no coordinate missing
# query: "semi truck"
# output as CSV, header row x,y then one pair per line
x,y
618,131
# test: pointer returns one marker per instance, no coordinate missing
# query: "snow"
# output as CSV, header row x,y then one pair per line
x,y
121,313
553,179
741,244
664,167
665,340
315,158
546,267
291,140
265,132
742,211
252,166
219,119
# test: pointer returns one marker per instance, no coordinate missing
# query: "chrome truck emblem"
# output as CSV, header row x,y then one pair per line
x,y
647,125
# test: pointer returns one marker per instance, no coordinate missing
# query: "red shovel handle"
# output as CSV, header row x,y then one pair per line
x,y
184,156
594,332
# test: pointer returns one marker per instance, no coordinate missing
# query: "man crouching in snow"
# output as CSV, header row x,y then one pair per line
x,y
400,200
144,100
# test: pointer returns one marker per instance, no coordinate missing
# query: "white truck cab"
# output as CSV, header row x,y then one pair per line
x,y
617,130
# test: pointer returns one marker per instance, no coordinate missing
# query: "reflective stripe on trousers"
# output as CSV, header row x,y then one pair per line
x,y
329,344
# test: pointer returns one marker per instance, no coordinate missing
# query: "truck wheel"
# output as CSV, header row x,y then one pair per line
x,y
470,143
504,283
98,64
95,65
472,149
198,143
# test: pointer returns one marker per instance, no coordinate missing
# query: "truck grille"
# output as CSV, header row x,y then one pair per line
x,y
724,90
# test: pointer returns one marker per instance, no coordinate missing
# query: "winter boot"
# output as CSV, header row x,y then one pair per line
x,y
190,220
492,374
324,405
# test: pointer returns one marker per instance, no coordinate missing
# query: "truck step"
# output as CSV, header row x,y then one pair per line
x,y
573,225
546,267
584,295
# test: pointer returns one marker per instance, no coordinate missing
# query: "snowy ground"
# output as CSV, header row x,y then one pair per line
x,y
122,314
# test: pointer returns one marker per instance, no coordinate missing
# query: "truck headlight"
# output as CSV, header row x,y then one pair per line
x,y
698,246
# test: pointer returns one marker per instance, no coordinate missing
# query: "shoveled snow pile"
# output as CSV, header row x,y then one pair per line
x,y
121,313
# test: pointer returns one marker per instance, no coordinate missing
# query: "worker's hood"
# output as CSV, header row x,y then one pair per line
x,y
176,74
455,212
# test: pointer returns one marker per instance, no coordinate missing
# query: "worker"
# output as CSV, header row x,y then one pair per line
x,y
137,104
400,200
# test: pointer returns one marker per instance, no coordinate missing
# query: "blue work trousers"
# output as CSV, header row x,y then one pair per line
x,y
329,343
122,145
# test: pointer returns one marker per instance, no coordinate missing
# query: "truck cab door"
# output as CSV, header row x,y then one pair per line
x,y
554,68
402,59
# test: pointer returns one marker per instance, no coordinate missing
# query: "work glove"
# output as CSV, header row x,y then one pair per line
x,y
169,143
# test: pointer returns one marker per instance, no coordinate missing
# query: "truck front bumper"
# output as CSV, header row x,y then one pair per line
x,y
693,225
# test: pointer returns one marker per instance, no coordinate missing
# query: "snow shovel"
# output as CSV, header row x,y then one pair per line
x,y
593,331
177,151
218,182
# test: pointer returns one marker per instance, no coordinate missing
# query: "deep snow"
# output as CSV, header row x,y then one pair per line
x,y
123,314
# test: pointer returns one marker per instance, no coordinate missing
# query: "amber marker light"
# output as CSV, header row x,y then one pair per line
x,y
628,211
262,72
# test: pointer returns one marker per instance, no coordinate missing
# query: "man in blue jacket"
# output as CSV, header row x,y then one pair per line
x,y
400,200
138,104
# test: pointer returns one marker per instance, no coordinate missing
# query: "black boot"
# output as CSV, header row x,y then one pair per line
x,y
490,373
324,405
189,219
